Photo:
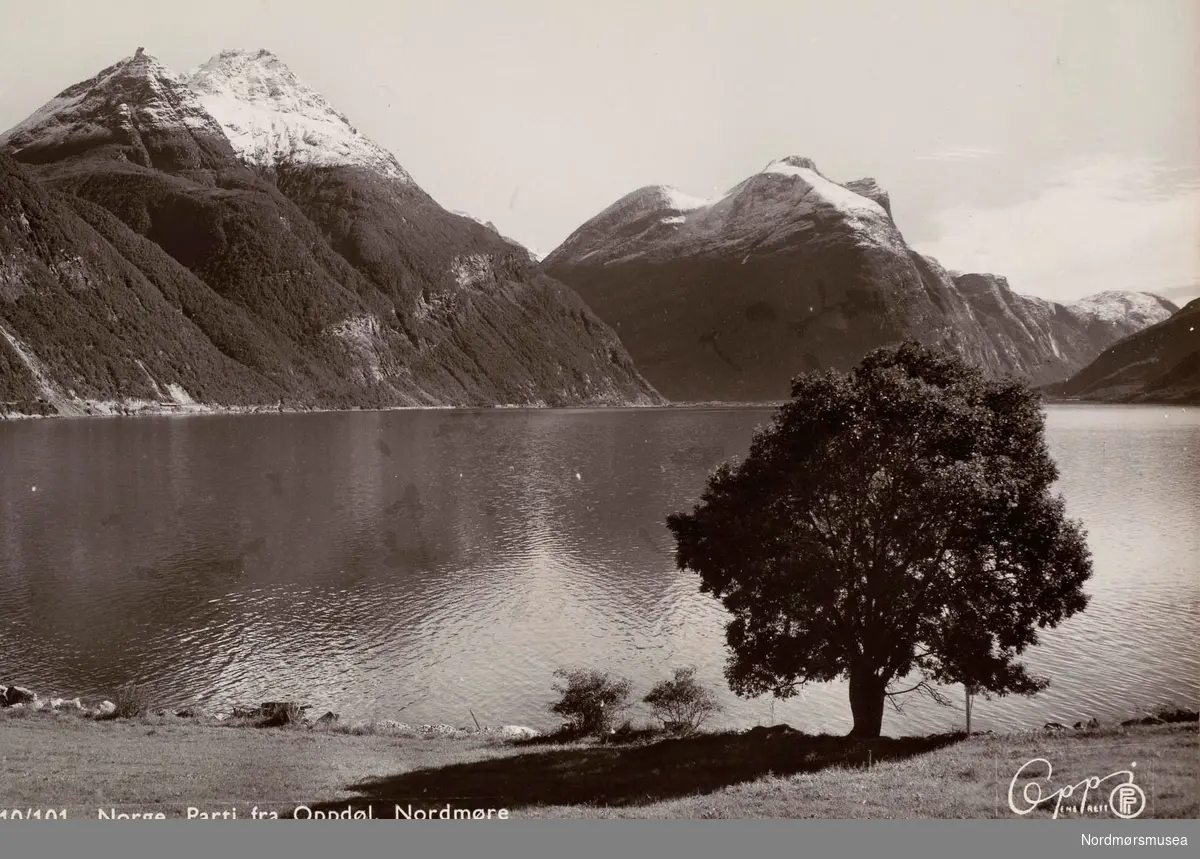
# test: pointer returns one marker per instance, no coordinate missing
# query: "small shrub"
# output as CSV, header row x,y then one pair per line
x,y
682,703
132,701
292,715
591,701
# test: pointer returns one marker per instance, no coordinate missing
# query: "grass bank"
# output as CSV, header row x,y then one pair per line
x,y
166,764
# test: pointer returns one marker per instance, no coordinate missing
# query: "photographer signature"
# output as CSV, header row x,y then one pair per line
x,y
1125,799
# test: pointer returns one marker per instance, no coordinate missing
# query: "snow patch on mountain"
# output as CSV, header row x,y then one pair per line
x,y
775,206
161,95
273,119
681,202
837,196
760,214
1143,308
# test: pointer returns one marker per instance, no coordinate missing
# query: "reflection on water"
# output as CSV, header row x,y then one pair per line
x,y
420,565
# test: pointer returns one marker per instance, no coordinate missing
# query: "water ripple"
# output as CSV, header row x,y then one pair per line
x,y
268,557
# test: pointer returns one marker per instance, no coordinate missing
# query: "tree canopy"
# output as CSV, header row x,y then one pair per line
x,y
894,521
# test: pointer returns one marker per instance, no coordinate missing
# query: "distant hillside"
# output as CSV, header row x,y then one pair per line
x,y
1160,364
728,299
227,238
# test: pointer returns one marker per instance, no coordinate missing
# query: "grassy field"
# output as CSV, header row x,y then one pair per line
x,y
166,764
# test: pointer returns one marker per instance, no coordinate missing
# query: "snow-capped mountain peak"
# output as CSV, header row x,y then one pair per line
x,y
272,118
678,201
1115,305
127,97
825,191
791,165
761,214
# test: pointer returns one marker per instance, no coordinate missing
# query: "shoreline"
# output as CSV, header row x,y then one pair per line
x,y
169,766
21,701
132,703
165,767
207,410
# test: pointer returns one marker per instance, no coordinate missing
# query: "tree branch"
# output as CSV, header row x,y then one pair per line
x,y
925,688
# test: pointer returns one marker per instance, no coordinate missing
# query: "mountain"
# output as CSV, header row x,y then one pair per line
x,y
136,111
727,299
227,238
1045,340
1159,364
274,120
1117,307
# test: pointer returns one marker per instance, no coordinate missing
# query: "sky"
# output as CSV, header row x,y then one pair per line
x,y
1055,142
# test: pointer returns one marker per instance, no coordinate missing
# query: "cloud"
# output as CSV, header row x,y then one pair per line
x,y
1109,223
959,153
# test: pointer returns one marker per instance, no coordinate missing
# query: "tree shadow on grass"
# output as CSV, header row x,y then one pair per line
x,y
625,775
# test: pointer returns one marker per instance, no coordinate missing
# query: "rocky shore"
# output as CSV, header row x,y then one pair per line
x,y
272,714
20,698
268,714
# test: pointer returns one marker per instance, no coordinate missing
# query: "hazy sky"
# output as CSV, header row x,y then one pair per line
x,y
1055,142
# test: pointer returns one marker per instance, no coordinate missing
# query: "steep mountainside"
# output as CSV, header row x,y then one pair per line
x,y
265,231
89,311
1160,364
1023,327
727,299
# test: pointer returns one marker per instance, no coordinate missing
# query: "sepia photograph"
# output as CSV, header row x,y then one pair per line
x,y
671,410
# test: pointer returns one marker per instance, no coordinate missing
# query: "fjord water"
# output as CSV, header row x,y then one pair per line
x,y
424,565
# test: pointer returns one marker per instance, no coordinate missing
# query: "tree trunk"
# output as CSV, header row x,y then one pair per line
x,y
866,702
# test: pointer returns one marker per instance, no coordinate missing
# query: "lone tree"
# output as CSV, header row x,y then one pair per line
x,y
893,522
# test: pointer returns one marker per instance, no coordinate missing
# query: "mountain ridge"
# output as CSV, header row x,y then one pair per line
x,y
720,224
788,271
325,275
1158,364
271,117
315,262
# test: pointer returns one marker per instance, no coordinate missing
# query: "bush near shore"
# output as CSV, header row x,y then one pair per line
x,y
133,703
168,763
